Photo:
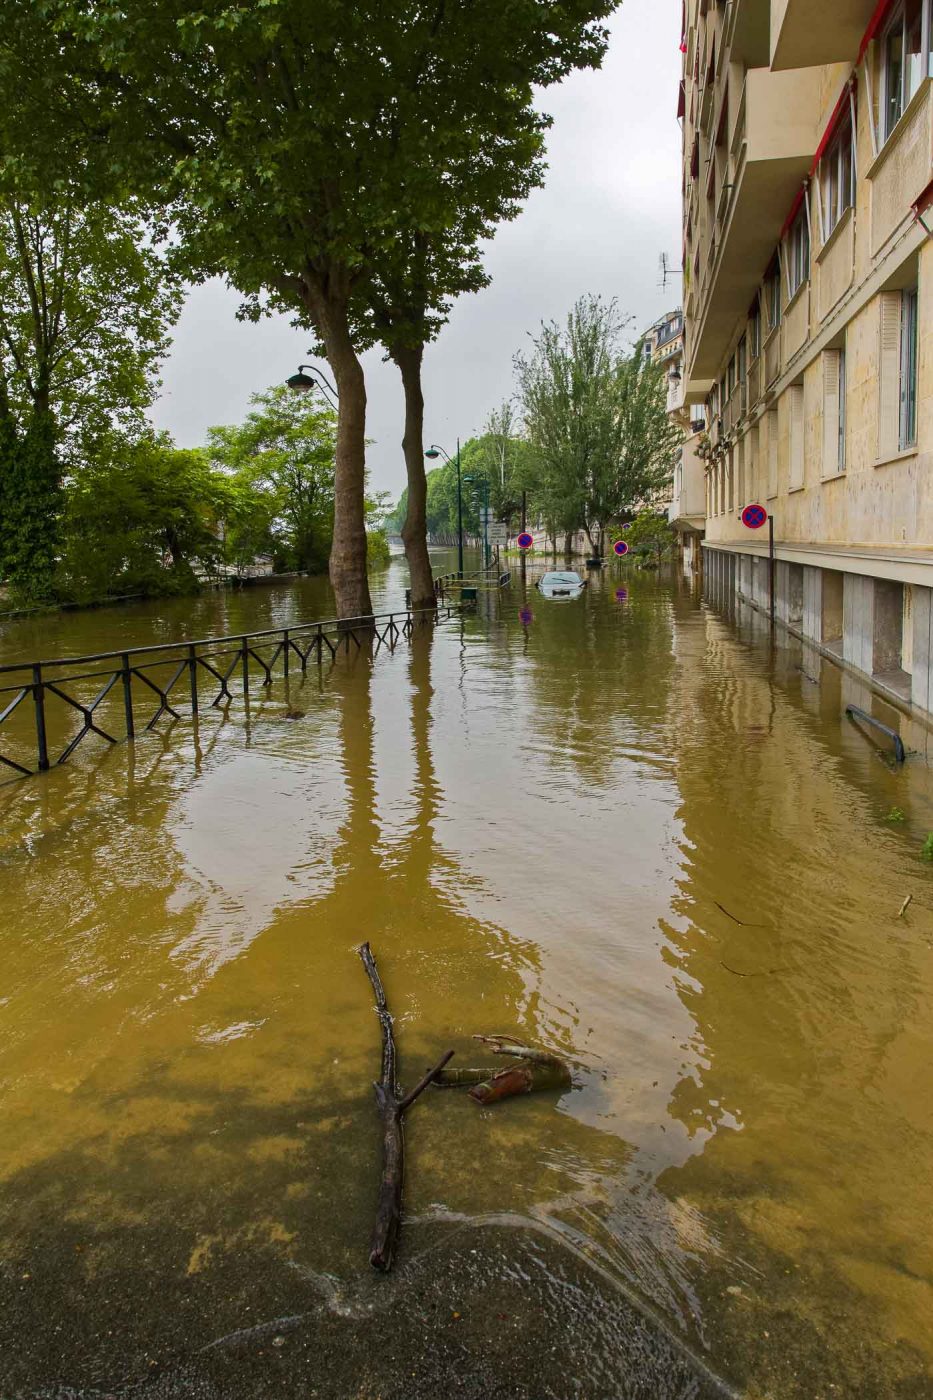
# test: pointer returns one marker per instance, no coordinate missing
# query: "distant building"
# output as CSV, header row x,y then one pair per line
x,y
686,508
808,303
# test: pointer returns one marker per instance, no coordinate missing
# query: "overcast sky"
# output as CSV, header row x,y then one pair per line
x,y
609,208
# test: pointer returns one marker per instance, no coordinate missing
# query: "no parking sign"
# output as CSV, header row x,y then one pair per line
x,y
525,540
620,547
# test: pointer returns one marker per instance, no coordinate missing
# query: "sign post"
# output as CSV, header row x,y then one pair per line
x,y
753,517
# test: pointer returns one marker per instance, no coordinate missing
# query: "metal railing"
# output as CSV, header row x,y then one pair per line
x,y
131,690
454,579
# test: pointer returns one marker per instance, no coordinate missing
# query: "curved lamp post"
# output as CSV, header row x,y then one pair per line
x,y
302,383
432,453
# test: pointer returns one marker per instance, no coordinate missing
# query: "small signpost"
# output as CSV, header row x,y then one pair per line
x,y
620,547
753,517
525,540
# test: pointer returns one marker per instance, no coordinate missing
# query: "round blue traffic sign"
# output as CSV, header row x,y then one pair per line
x,y
620,547
754,517
525,541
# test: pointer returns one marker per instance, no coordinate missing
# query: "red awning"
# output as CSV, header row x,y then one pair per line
x,y
794,211
874,24
840,109
923,201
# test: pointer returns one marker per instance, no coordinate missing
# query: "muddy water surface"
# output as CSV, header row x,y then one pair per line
x,y
624,827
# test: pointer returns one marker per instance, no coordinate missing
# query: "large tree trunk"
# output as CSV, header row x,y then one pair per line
x,y
415,529
348,573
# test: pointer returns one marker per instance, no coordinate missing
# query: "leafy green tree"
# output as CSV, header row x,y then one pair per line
x,y
597,421
507,461
283,452
650,536
300,145
140,518
85,310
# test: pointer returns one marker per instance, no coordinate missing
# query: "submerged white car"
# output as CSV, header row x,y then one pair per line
x,y
565,584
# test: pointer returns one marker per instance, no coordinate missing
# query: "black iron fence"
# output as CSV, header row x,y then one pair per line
x,y
51,707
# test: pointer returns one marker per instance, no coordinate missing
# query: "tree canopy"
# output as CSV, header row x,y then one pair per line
x,y
595,414
298,146
86,306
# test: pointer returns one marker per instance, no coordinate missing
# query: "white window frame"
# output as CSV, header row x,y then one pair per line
x,y
889,115
834,412
909,356
798,251
836,200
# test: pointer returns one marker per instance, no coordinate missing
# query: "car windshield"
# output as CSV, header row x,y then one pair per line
x,y
561,578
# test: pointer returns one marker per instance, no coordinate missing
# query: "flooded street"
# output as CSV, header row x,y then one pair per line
x,y
623,826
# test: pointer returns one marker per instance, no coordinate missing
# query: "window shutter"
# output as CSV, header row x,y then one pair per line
x,y
830,412
889,374
772,452
795,395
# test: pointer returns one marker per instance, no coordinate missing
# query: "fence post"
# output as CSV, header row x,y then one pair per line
x,y
128,696
320,647
244,651
38,694
287,644
193,677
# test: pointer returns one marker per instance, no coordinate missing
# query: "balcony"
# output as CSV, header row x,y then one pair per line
x,y
687,510
783,117
748,33
807,32
675,395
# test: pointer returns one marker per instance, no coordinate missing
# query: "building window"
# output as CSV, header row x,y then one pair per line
x,y
834,412
798,251
907,436
838,172
897,417
905,50
754,333
773,294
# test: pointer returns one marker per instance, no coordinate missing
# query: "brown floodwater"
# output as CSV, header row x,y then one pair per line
x,y
626,827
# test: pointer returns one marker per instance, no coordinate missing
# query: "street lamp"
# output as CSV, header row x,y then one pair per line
x,y
302,383
484,482
433,452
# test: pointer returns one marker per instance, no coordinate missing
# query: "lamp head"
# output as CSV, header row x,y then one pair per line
x,y
301,383
432,452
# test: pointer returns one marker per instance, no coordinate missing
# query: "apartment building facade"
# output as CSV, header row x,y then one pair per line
x,y
808,309
664,342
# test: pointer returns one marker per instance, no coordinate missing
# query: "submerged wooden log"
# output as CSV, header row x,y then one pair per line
x,y
391,1105
537,1069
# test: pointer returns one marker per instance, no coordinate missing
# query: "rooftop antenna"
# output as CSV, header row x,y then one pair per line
x,y
666,271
